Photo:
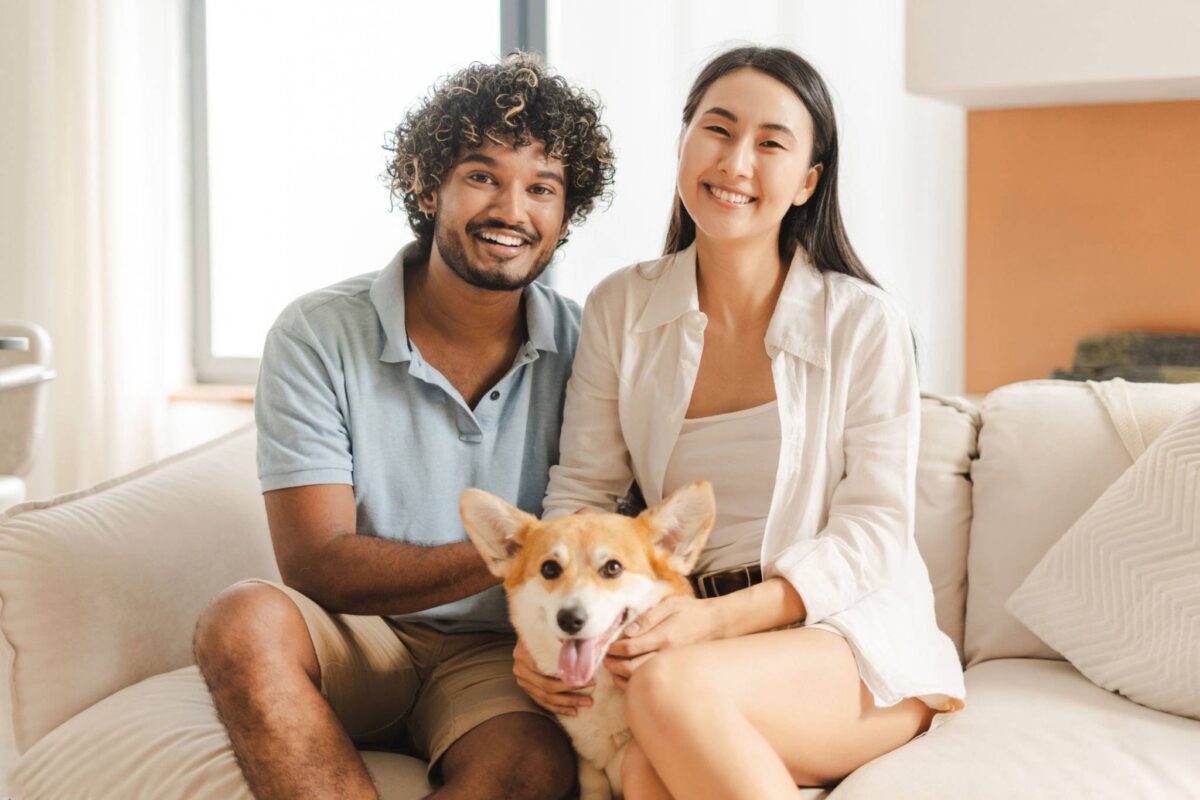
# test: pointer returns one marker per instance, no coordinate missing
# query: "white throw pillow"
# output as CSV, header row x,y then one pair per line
x,y
1119,594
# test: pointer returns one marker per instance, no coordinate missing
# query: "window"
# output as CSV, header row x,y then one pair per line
x,y
292,102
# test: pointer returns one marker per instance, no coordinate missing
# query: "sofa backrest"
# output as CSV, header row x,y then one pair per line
x,y
1047,451
102,588
949,430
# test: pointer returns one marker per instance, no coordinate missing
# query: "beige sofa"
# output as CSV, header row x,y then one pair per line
x,y
100,591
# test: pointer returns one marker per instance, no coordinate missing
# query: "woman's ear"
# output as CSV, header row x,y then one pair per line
x,y
810,184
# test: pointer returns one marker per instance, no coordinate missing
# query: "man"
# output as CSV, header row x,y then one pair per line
x,y
379,400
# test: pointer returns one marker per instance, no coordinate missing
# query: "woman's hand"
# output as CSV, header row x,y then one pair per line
x,y
547,691
675,622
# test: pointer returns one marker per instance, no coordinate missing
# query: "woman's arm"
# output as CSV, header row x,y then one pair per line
x,y
871,516
594,469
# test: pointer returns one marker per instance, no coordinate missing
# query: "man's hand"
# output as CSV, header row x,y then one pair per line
x,y
675,622
547,691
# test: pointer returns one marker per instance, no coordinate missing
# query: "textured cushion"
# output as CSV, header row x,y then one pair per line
x,y
102,588
1047,451
949,428
1119,594
1036,728
161,738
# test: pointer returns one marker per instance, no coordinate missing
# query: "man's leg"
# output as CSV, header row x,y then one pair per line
x,y
483,735
515,755
258,653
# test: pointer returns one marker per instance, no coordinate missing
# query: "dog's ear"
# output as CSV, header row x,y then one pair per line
x,y
681,524
495,528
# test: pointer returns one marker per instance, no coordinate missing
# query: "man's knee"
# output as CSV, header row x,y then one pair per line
x,y
252,626
529,756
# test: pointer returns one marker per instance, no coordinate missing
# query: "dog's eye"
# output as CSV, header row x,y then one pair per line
x,y
612,569
551,570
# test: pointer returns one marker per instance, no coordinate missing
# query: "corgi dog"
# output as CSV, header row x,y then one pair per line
x,y
574,583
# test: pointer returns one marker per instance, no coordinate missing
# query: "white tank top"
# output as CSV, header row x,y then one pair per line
x,y
738,453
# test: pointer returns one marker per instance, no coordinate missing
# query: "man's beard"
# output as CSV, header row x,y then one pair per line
x,y
454,253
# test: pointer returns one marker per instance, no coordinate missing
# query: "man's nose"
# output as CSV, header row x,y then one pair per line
x,y
571,619
508,205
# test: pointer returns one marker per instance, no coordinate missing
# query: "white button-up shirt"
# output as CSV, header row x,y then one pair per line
x,y
841,518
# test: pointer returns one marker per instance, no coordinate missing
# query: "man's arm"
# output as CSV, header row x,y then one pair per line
x,y
320,554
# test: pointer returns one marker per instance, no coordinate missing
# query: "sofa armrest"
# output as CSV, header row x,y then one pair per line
x,y
101,588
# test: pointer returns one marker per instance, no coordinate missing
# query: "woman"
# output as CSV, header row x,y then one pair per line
x,y
760,355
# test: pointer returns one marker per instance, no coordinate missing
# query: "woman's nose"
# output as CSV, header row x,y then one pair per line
x,y
737,160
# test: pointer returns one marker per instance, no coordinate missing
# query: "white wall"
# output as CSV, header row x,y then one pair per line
x,y
987,53
903,157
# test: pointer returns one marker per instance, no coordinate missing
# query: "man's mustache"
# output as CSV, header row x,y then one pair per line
x,y
496,225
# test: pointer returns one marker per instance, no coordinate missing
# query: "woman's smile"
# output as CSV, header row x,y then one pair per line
x,y
728,197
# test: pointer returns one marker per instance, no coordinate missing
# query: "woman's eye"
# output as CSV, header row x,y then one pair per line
x,y
772,143
612,569
551,570
717,129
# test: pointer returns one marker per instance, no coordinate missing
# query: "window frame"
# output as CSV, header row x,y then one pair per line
x,y
522,26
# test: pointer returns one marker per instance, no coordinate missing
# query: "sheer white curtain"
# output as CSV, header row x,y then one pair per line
x,y
903,158
93,220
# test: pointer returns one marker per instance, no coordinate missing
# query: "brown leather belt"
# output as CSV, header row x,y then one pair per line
x,y
715,584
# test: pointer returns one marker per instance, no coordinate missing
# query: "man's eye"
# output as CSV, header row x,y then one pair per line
x,y
612,569
479,177
543,190
551,570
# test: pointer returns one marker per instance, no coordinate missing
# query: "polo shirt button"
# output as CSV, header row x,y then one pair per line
x,y
494,395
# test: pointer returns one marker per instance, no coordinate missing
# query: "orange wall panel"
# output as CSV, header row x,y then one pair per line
x,y
1080,220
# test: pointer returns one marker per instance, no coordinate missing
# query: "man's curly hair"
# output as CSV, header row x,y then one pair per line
x,y
511,103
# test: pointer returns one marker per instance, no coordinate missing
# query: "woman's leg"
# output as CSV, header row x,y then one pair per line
x,y
758,715
639,781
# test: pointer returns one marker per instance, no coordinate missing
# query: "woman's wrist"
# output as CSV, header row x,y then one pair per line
x,y
770,604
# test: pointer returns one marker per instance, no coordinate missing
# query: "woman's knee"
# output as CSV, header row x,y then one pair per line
x,y
666,682
249,625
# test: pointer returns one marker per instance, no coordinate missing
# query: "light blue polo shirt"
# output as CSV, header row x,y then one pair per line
x,y
344,397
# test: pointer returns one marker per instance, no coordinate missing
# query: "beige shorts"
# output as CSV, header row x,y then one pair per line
x,y
406,686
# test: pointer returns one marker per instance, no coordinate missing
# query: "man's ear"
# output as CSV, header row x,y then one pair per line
x,y
680,524
427,202
495,528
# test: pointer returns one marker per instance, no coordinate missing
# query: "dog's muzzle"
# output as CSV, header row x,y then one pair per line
x,y
571,619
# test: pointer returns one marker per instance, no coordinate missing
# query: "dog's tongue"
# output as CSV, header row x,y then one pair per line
x,y
577,661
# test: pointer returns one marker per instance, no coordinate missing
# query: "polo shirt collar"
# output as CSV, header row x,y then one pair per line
x,y
798,325
387,295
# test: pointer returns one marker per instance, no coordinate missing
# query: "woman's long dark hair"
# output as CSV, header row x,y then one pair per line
x,y
816,225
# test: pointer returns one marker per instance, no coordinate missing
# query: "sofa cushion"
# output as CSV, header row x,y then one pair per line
x,y
1038,728
102,588
1047,451
949,428
1119,594
161,738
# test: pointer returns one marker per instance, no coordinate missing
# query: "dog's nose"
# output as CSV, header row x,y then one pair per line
x,y
571,620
